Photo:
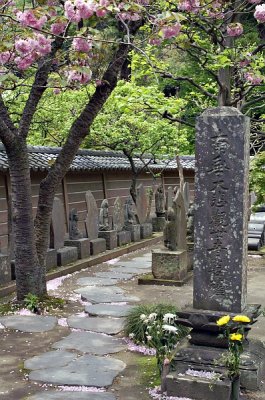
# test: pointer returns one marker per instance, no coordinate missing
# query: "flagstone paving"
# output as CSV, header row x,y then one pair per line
x,y
111,310
29,323
94,281
116,275
129,270
110,326
87,370
105,295
56,395
90,342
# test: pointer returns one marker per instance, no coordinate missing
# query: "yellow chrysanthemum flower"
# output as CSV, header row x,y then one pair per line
x,y
236,336
241,318
223,320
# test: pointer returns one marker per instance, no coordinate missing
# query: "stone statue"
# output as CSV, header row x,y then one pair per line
x,y
170,230
104,216
160,201
129,215
74,232
190,223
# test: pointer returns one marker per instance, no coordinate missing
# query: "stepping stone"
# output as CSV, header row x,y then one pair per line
x,y
94,281
110,326
104,295
57,359
111,310
111,275
90,342
129,270
29,323
86,370
52,395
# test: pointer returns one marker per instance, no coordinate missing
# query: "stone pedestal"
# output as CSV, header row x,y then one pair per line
x,y
66,255
190,249
82,245
210,359
146,230
97,246
110,237
51,259
169,264
158,224
123,237
5,269
135,232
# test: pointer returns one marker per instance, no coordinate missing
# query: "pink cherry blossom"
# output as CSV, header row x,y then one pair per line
x,y
189,5
23,46
235,29
253,79
58,27
71,12
43,45
259,13
171,31
155,41
77,76
85,8
82,45
27,18
5,57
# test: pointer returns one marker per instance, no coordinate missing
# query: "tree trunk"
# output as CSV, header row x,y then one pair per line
x,y
30,277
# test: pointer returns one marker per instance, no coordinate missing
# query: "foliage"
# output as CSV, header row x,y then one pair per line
x,y
234,330
43,304
157,329
257,177
31,302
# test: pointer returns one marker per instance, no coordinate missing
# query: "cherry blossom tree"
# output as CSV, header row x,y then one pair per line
x,y
65,44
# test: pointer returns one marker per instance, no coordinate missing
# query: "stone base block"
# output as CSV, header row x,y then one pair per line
x,y
51,259
146,230
82,245
5,269
198,388
66,255
169,264
190,248
110,237
97,246
158,224
253,244
123,237
135,232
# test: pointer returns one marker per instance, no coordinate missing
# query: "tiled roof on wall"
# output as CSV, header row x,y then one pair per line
x,y
41,158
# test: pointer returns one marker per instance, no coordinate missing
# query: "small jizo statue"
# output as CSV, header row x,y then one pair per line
x,y
170,230
190,223
74,232
104,216
160,201
129,215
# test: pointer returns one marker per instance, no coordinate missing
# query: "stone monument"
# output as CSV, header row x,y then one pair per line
x,y
65,255
97,245
186,196
159,220
123,236
142,203
130,221
171,263
5,268
76,237
105,232
169,198
190,236
220,253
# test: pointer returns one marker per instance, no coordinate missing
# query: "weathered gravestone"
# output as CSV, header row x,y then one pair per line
x,y
97,245
220,259
159,220
169,198
105,232
76,237
65,255
171,263
131,221
123,236
142,203
186,195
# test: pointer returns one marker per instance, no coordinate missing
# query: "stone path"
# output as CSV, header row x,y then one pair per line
x,y
85,358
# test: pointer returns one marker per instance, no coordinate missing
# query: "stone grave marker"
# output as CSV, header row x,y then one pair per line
x,y
118,215
141,203
221,209
92,216
169,197
57,225
186,196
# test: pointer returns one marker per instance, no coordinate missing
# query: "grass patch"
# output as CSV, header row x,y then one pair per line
x,y
148,371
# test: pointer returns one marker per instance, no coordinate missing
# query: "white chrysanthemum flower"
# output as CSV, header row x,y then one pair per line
x,y
131,335
142,317
169,317
148,337
152,316
146,321
170,328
